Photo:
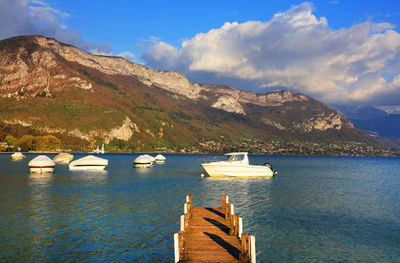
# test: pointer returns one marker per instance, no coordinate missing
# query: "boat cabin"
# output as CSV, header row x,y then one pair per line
x,y
238,157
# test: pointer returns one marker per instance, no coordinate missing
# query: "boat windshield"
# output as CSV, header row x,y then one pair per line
x,y
236,157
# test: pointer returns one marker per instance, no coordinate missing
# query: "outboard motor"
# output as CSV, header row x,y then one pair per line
x,y
275,172
268,165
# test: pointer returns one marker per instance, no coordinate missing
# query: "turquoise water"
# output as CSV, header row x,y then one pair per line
x,y
318,209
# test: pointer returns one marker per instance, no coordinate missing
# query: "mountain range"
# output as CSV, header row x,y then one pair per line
x,y
382,125
47,87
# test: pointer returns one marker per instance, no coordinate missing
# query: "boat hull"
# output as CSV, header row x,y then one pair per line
x,y
41,169
216,170
63,158
17,156
143,161
41,164
89,163
87,167
142,165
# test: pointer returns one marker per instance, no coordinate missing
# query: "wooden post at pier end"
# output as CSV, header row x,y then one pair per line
x,y
212,234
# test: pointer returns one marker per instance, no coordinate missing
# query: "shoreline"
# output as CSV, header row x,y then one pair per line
x,y
186,153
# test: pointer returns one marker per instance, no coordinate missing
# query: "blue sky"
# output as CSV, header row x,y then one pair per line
x,y
127,25
335,50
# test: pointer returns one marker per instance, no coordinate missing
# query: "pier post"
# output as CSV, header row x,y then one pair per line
x,y
176,248
245,252
223,202
248,252
234,226
227,211
186,222
188,205
182,222
240,227
189,198
253,249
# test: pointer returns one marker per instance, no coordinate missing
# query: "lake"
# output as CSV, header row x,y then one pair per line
x,y
318,209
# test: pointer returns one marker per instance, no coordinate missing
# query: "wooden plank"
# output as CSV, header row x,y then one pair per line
x,y
207,238
212,235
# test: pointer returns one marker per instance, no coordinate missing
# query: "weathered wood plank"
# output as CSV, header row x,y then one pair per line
x,y
212,235
208,238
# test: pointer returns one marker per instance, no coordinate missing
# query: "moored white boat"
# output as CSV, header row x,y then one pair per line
x,y
150,157
63,158
17,156
160,158
41,164
143,161
237,165
89,162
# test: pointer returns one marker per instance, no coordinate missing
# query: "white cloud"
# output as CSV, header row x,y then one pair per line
x,y
96,51
295,50
38,17
163,54
128,56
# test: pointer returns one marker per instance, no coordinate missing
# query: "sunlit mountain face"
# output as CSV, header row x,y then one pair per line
x,y
48,87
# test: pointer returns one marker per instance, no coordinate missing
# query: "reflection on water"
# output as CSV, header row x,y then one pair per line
x,y
318,209
98,175
143,170
40,178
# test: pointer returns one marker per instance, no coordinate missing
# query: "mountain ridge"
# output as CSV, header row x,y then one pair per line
x,y
128,102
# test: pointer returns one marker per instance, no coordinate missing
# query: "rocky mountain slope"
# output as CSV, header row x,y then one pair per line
x,y
47,87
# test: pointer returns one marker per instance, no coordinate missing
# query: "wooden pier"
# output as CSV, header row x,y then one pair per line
x,y
212,235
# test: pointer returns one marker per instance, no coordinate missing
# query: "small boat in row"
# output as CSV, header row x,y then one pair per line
x,y
41,164
17,156
237,164
160,158
89,162
145,160
63,158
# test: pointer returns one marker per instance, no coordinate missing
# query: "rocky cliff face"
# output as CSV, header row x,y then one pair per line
x,y
172,81
33,68
21,75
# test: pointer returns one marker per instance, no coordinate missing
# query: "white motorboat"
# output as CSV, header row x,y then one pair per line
x,y
41,164
237,164
17,156
63,158
150,157
89,162
143,161
160,158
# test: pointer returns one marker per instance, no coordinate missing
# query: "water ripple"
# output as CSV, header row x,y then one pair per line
x,y
318,209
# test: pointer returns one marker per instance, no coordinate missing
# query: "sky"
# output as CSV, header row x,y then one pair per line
x,y
337,51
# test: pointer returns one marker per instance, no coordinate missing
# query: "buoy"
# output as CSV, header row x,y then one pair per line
x,y
202,175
